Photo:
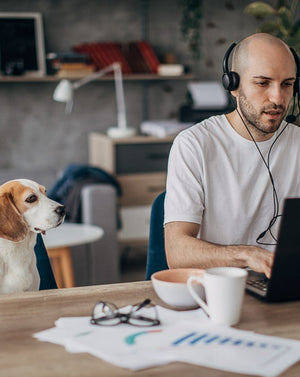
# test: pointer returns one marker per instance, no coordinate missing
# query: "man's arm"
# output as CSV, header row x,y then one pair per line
x,y
183,249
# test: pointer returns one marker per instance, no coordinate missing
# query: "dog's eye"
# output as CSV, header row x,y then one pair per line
x,y
31,199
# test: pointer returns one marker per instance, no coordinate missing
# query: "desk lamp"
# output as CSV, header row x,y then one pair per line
x,y
64,92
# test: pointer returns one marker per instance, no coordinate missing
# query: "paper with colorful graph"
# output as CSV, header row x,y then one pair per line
x,y
186,336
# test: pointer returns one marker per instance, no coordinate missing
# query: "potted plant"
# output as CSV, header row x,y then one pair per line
x,y
191,15
279,20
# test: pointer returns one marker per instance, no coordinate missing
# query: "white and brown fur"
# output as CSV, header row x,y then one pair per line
x,y
25,211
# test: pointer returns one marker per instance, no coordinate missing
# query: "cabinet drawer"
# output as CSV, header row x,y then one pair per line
x,y
142,158
141,189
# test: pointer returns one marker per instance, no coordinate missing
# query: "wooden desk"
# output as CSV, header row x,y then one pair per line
x,y
21,315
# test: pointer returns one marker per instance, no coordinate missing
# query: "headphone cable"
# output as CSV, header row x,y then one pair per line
x,y
275,196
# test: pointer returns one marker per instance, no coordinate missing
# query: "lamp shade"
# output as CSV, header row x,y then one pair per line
x,y
63,92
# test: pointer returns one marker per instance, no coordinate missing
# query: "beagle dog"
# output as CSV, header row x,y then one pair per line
x,y
25,211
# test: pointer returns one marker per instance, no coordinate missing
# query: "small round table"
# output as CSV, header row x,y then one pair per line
x,y
58,242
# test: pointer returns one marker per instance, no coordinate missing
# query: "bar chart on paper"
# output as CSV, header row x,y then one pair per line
x,y
204,338
222,348
241,348
208,339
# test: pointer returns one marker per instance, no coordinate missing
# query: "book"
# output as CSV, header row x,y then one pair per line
x,y
104,54
134,57
76,66
149,55
170,69
68,56
73,73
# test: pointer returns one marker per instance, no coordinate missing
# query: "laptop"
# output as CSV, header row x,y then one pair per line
x,y
284,283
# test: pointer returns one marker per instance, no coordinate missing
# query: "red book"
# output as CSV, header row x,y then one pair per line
x,y
134,57
104,54
149,55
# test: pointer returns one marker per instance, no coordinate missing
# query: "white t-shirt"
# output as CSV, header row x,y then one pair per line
x,y
217,178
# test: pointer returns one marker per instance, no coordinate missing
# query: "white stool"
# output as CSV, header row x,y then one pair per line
x,y
58,242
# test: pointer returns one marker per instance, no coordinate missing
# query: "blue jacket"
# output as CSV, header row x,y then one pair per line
x,y
67,190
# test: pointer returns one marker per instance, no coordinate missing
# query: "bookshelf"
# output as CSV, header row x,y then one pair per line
x,y
131,77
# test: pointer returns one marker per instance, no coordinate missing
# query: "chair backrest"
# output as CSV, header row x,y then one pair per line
x,y
43,265
156,257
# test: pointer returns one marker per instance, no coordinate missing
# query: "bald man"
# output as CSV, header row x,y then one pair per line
x,y
219,196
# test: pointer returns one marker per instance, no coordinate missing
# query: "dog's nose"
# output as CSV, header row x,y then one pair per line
x,y
60,210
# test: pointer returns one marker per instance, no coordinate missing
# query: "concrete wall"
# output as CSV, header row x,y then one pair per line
x,y
34,131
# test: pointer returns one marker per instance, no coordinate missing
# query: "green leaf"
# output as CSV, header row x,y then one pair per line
x,y
271,27
285,17
294,41
259,9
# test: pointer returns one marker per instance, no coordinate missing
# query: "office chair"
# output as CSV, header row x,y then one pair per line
x,y
156,256
43,265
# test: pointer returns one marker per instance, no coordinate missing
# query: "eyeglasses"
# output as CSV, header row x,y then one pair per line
x,y
107,314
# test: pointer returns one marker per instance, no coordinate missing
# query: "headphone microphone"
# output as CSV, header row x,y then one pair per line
x,y
291,118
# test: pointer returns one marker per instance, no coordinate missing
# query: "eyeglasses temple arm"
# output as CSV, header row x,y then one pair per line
x,y
144,303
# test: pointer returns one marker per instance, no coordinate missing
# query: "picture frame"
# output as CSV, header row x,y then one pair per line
x,y
22,50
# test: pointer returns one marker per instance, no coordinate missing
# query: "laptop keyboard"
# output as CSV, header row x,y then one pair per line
x,y
259,284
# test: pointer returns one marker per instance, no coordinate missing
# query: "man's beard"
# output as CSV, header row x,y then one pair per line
x,y
254,118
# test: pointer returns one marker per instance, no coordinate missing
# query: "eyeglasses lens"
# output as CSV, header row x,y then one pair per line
x,y
150,318
105,313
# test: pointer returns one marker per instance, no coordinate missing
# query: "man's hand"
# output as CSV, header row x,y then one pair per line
x,y
260,260
183,249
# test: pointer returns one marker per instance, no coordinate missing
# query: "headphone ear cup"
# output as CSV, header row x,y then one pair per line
x,y
231,80
226,81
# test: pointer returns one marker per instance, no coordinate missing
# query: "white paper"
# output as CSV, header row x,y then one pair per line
x,y
163,128
208,95
186,336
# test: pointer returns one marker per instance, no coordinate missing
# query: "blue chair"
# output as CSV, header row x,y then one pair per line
x,y
156,256
43,265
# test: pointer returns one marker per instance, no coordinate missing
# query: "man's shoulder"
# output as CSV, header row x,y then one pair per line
x,y
204,127
294,131
294,128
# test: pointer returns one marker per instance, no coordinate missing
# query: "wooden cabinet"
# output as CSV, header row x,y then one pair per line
x,y
140,164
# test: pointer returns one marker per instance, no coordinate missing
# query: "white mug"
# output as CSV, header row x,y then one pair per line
x,y
224,289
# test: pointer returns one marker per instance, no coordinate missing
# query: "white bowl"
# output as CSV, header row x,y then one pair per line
x,y
171,287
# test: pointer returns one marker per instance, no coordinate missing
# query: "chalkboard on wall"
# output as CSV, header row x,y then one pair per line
x,y
22,44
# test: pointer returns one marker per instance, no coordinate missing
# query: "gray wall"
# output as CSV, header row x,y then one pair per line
x,y
34,131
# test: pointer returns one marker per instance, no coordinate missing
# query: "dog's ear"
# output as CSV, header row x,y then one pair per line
x,y
12,225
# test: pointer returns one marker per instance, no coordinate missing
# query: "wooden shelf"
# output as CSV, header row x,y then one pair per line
x,y
55,78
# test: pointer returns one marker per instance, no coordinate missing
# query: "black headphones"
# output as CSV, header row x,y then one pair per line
x,y
231,80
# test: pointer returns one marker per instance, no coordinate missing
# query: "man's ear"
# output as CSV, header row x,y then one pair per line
x,y
235,93
12,225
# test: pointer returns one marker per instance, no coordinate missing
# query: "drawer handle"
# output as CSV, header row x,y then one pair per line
x,y
157,156
156,188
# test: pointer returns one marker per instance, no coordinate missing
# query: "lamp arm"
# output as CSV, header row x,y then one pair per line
x,y
122,122
116,68
85,80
